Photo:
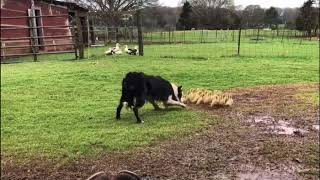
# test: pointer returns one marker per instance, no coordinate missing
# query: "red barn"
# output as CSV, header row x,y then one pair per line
x,y
51,20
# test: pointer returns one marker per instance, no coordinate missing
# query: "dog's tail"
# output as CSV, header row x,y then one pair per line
x,y
130,173
92,177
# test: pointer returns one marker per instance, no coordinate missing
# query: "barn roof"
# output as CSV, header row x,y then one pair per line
x,y
70,5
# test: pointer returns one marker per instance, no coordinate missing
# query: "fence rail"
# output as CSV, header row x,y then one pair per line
x,y
22,17
37,40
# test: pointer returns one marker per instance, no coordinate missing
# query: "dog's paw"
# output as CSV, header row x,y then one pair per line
x,y
140,121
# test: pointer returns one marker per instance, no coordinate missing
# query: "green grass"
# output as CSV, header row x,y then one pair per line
x,y
63,108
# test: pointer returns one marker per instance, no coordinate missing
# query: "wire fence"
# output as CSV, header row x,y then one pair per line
x,y
205,43
202,44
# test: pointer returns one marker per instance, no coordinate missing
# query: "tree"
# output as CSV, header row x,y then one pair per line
x,y
212,14
110,11
271,17
185,21
213,3
289,17
252,16
307,19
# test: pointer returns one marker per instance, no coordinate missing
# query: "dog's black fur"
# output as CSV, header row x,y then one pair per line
x,y
137,88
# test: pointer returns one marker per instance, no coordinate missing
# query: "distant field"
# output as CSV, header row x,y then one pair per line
x,y
64,108
205,36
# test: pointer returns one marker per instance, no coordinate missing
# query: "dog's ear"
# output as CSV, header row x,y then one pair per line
x,y
180,87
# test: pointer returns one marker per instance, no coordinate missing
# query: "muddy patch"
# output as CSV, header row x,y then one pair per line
x,y
270,125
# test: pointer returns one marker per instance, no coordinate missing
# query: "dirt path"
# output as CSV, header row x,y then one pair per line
x,y
270,133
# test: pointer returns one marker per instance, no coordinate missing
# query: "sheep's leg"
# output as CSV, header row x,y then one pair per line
x,y
170,101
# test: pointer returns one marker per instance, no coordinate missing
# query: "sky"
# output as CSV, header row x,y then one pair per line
x,y
244,3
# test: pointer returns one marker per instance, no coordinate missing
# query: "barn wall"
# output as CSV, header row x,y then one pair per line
x,y
11,8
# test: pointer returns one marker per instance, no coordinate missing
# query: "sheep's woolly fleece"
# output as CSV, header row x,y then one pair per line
x,y
207,97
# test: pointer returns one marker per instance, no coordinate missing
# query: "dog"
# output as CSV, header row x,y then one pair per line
x,y
137,88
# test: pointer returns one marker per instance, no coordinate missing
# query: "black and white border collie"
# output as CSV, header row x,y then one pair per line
x,y
137,88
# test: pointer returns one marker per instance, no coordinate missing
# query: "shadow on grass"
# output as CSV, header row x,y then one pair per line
x,y
197,58
128,115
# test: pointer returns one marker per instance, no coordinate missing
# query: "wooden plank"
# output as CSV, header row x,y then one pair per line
x,y
35,27
47,45
19,17
40,53
20,38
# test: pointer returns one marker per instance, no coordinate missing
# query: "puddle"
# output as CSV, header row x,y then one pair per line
x,y
284,128
276,127
316,127
252,173
264,176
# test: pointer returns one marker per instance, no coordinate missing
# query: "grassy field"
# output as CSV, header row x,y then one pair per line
x,y
63,108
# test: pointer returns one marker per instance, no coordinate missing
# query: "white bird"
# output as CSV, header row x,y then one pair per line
x,y
109,52
117,49
131,51
114,50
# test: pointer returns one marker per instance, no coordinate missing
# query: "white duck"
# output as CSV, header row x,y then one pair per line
x,y
117,49
130,51
114,50
109,52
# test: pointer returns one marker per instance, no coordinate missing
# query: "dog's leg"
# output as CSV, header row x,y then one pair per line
x,y
165,104
136,113
139,103
170,101
119,110
154,104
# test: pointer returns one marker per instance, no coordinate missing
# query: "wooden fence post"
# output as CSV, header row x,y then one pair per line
x,y
232,35
140,37
33,32
169,34
239,39
258,35
74,34
201,39
80,42
105,36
